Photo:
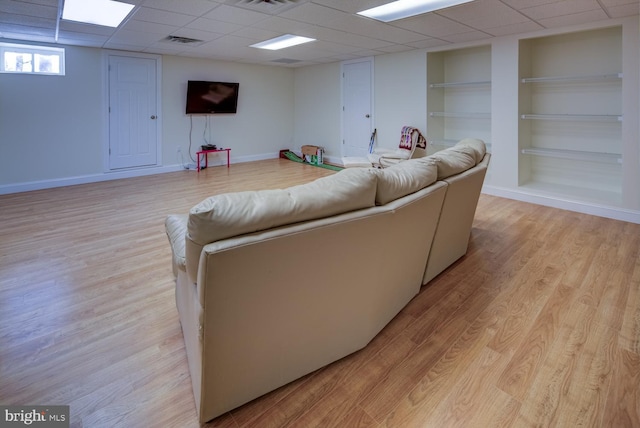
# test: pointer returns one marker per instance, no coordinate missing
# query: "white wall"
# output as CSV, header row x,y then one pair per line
x,y
400,95
262,126
52,127
399,100
317,108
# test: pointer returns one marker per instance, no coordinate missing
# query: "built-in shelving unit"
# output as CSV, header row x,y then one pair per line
x,y
459,96
570,110
559,110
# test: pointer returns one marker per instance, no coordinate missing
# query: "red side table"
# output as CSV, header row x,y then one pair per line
x,y
204,154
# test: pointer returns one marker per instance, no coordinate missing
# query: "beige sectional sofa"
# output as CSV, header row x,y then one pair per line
x,y
274,284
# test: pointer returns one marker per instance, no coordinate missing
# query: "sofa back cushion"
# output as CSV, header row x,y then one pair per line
x,y
231,214
403,179
473,146
459,158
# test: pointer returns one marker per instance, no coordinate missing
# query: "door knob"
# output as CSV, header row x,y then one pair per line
x,y
153,116
367,116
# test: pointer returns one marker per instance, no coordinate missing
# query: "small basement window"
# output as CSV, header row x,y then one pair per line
x,y
31,59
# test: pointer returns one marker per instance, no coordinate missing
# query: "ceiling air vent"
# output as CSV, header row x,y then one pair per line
x,y
268,1
273,7
286,60
182,40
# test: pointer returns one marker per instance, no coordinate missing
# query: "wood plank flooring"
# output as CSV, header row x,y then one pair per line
x,y
538,325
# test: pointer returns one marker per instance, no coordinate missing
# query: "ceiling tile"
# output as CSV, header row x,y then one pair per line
x,y
560,8
187,7
19,31
433,25
352,6
162,17
236,15
284,25
428,43
214,26
482,14
368,28
612,3
149,27
623,10
228,27
256,34
72,27
266,7
27,21
573,19
26,9
466,37
134,38
73,38
313,14
505,30
521,4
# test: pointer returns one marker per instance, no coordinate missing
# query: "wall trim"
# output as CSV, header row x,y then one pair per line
x,y
581,207
6,189
621,214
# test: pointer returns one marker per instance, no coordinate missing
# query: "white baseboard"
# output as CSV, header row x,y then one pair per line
x,y
581,207
113,175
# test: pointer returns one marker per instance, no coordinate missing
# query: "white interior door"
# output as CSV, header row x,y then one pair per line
x,y
357,107
133,124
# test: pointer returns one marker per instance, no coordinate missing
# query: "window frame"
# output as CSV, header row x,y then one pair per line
x,y
33,50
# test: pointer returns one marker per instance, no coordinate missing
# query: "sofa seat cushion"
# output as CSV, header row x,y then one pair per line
x,y
403,179
232,214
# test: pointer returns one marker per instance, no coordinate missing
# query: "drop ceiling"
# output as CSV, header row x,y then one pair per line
x,y
224,29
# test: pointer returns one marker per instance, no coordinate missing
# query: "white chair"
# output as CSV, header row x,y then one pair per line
x,y
412,145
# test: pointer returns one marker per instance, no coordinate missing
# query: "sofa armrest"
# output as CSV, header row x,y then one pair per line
x,y
176,229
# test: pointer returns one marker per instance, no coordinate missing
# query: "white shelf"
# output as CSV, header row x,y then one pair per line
x,y
574,117
614,158
569,79
459,84
573,193
469,115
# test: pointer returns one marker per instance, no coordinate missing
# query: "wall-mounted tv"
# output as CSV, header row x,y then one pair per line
x,y
211,97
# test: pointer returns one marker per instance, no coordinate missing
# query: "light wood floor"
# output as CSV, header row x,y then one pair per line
x,y
538,325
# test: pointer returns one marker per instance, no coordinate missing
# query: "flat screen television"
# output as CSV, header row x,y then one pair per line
x,y
212,97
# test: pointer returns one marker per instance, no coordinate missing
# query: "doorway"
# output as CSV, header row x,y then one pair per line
x,y
357,106
133,105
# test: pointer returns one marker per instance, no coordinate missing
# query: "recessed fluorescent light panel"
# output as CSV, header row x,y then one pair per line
x,y
282,42
405,8
99,12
